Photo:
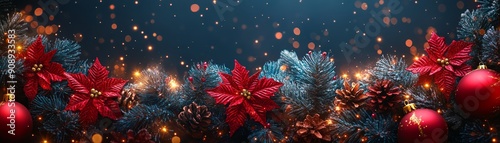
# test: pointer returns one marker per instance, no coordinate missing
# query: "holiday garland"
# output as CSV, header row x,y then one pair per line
x,y
291,100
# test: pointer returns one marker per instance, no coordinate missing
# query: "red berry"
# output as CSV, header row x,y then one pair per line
x,y
190,79
323,55
205,65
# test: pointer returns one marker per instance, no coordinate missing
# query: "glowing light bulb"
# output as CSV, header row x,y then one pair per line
x,y
164,129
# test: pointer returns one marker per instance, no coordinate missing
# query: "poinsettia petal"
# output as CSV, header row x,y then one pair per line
x,y
114,106
422,66
445,81
435,69
97,73
258,117
449,68
43,81
31,88
462,70
77,102
237,101
437,47
47,57
35,50
111,87
252,81
55,71
261,106
103,108
78,82
265,88
458,53
235,118
88,115
228,79
240,75
224,94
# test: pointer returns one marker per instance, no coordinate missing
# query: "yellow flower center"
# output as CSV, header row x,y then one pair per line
x,y
443,62
37,67
245,93
94,93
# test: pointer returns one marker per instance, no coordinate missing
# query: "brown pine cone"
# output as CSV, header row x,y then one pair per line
x,y
313,128
350,96
128,99
383,95
196,119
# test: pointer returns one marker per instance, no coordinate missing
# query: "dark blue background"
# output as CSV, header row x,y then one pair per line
x,y
189,37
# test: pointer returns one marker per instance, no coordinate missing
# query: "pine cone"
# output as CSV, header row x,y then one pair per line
x,y
350,96
128,99
313,128
383,95
196,119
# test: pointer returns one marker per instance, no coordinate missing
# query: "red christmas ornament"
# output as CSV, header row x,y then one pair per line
x,y
16,123
422,125
478,93
94,94
245,96
323,55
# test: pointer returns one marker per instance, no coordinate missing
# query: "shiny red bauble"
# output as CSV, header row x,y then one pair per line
x,y
422,125
15,122
478,93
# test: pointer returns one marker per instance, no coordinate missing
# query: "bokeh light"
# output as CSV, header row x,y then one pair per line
x,y
278,35
409,43
28,18
296,31
114,26
195,8
296,44
311,46
460,4
38,11
128,38
78,37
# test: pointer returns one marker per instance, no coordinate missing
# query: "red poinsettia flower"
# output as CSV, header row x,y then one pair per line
x,y
39,70
444,63
94,94
245,96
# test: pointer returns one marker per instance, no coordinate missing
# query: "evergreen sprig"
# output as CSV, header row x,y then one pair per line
x,y
360,125
49,111
491,44
313,87
393,68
